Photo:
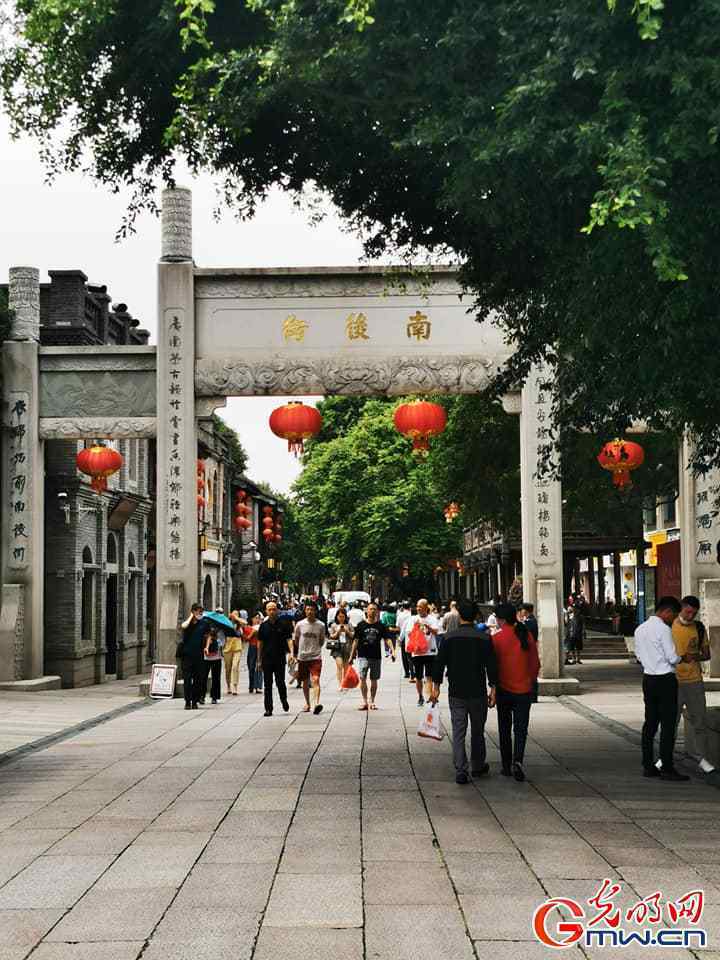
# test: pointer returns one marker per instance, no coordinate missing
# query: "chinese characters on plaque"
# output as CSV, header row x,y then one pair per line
x,y
418,327
545,519
707,535
175,481
20,512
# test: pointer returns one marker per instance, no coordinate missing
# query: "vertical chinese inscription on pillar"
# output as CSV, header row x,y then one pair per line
x,y
20,517
707,532
545,519
176,406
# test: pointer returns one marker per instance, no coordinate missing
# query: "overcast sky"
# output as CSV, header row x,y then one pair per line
x,y
72,224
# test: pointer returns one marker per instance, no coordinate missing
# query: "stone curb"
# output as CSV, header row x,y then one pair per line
x,y
68,732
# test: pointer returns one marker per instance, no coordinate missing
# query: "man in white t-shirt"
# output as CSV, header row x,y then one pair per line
x,y
403,615
423,662
357,614
309,638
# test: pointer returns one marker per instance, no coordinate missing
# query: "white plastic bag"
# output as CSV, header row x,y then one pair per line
x,y
429,726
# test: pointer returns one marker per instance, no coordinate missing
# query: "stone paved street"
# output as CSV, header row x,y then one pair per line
x,y
220,833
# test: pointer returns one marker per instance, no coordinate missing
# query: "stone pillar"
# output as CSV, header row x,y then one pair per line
x,y
177,527
541,511
23,483
699,519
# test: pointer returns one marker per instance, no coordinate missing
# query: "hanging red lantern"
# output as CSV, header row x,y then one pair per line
x,y
620,457
277,537
242,509
200,504
267,511
451,511
201,484
268,523
242,523
420,420
241,495
268,534
200,466
295,422
99,462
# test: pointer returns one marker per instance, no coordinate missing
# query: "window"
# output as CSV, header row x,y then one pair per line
x,y
132,604
87,555
649,516
215,501
112,553
669,513
131,560
86,605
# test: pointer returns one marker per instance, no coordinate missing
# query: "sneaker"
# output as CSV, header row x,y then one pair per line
x,y
651,772
268,713
674,776
518,772
706,766
461,778
481,771
195,706
421,701
214,700
188,707
318,709
285,706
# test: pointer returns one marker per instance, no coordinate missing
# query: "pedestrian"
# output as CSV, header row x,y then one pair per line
x,y
274,644
232,655
518,667
340,646
690,637
655,650
310,636
388,616
213,657
451,620
356,613
370,634
526,615
191,647
468,656
250,635
423,663
402,618
574,635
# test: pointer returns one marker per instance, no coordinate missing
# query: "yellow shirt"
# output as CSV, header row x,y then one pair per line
x,y
685,638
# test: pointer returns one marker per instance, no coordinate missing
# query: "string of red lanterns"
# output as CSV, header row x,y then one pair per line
x,y
242,511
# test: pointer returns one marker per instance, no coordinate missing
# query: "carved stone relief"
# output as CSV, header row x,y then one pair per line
x,y
320,285
352,377
105,360
101,394
24,301
79,428
176,224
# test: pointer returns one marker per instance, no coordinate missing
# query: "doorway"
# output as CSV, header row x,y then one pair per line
x,y
207,597
111,606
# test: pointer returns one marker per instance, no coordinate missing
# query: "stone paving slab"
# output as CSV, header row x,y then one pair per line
x,y
222,834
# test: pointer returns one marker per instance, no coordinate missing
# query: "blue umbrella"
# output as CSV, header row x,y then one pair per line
x,y
220,620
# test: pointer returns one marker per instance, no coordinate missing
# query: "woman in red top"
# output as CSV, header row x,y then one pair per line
x,y
518,668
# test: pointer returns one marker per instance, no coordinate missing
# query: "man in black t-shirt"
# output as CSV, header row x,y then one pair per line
x,y
367,646
194,631
274,644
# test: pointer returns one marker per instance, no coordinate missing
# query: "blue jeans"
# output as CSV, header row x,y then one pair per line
x,y
255,677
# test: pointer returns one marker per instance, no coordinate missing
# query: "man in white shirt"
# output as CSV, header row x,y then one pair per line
x,y
403,615
423,662
655,650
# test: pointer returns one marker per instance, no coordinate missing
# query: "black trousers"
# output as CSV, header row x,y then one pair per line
x,y
513,712
274,670
194,678
214,668
660,694
406,661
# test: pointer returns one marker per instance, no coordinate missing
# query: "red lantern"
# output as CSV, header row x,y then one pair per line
x,y
267,511
620,457
295,422
268,534
99,462
241,495
201,466
200,484
451,511
242,523
200,504
420,420
277,537
242,509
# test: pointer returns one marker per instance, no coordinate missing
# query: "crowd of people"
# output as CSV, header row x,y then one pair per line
x,y
491,665
487,665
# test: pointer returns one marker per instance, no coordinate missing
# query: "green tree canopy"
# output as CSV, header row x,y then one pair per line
x,y
365,502
565,152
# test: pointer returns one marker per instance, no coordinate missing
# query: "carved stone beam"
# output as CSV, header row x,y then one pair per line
x,y
110,428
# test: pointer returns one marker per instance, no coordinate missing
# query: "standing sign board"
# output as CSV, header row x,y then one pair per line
x,y
162,681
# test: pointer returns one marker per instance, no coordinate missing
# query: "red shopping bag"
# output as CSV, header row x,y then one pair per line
x,y
350,679
417,643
